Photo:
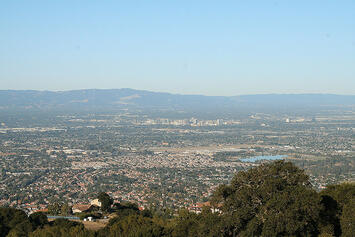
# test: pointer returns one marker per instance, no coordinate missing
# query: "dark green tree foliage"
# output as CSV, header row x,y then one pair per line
x,y
38,219
65,223
54,208
133,226
15,221
347,219
125,209
341,193
257,199
186,224
293,212
339,214
147,213
57,231
65,209
329,222
22,229
126,205
199,225
210,224
122,211
106,201
63,228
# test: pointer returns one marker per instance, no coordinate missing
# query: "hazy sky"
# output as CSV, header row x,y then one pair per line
x,y
188,47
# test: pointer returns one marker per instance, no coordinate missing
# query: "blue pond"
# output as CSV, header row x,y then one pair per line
x,y
258,158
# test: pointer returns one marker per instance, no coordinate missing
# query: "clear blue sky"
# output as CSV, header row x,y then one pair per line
x,y
187,47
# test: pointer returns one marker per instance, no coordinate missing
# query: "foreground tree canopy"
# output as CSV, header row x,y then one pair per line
x,y
273,199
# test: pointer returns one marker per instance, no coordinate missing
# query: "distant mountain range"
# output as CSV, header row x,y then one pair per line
x,y
129,98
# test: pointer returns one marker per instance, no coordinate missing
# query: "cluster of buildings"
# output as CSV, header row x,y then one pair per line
x,y
189,122
159,165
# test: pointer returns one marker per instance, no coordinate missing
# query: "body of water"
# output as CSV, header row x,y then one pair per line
x,y
258,158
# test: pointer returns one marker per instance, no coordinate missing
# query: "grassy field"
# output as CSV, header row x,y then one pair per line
x,y
90,225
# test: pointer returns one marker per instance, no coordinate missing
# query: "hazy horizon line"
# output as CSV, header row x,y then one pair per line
x,y
175,93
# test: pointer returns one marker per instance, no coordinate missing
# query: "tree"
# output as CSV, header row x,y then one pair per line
x,y
38,219
54,208
65,210
65,223
209,224
335,199
294,212
11,218
347,219
21,229
185,224
63,229
342,193
329,222
257,191
106,201
134,225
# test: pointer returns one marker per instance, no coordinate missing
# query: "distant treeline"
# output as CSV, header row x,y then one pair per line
x,y
273,199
